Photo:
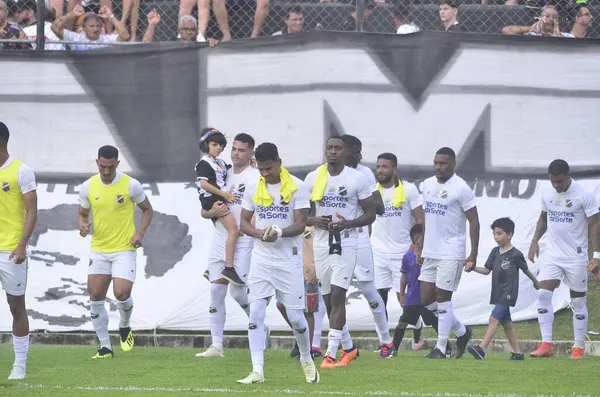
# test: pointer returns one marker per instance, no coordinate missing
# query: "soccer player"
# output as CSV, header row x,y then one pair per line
x,y
568,214
111,196
341,203
239,177
504,262
211,172
18,215
279,202
364,271
391,237
449,204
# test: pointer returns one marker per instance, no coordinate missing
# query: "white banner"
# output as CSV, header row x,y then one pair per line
x,y
170,292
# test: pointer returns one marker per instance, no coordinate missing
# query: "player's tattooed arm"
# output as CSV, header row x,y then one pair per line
x,y
379,206
246,226
297,228
540,229
473,217
368,216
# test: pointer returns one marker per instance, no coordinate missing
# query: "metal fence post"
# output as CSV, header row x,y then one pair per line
x,y
360,15
40,39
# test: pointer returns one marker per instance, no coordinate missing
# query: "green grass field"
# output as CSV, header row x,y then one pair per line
x,y
68,371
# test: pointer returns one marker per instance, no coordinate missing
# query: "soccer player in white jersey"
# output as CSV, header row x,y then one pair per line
x,y
238,178
341,202
391,231
568,214
280,204
449,203
365,270
18,215
111,197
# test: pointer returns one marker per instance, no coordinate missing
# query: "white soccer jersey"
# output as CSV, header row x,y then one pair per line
x,y
286,250
391,231
567,222
363,236
445,221
237,185
342,195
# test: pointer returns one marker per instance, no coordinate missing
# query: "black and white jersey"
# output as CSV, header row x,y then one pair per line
x,y
212,170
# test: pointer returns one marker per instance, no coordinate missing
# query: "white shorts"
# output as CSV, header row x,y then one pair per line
x,y
335,269
365,269
387,271
241,264
117,264
286,282
13,276
445,273
573,274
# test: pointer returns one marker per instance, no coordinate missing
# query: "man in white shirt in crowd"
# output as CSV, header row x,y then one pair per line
x,y
341,203
449,203
569,213
401,15
239,177
26,15
280,204
403,207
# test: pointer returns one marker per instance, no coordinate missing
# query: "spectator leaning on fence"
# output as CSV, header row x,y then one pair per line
x,y
581,21
449,15
26,15
547,25
219,8
401,15
294,21
10,31
92,28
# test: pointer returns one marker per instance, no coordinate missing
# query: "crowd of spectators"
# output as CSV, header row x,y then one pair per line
x,y
72,26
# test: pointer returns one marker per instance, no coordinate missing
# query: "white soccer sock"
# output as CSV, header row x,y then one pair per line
x,y
545,314
580,320
240,295
419,324
100,322
125,309
458,327
217,313
335,336
377,308
445,322
346,339
300,327
319,317
21,348
256,334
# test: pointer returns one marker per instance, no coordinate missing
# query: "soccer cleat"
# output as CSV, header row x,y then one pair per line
x,y
328,362
418,340
18,372
462,341
577,353
103,352
127,340
347,357
378,350
212,351
477,352
310,371
545,349
206,275
295,353
230,275
253,378
387,350
316,352
516,357
436,353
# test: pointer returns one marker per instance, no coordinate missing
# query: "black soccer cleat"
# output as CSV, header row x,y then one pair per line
x,y
316,353
476,351
516,357
103,353
230,275
462,341
436,353
295,353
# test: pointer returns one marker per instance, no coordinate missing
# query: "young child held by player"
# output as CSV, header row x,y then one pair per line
x,y
211,172
504,263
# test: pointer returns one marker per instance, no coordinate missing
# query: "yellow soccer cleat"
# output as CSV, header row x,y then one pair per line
x,y
103,352
126,338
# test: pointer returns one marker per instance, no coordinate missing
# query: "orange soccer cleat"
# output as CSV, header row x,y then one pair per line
x,y
328,362
545,349
347,357
577,353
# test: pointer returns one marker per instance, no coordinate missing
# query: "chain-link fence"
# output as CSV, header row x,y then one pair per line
x,y
170,20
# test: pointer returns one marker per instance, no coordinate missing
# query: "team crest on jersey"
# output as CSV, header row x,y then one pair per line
x,y
342,191
282,201
241,187
505,264
120,199
569,203
444,194
6,186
